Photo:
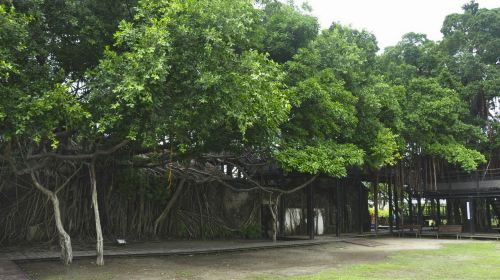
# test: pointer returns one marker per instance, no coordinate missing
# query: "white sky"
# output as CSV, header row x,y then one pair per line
x,y
391,19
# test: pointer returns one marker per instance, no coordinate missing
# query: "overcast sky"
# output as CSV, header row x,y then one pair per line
x,y
390,19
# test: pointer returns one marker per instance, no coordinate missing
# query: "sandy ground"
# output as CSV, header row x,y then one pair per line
x,y
240,265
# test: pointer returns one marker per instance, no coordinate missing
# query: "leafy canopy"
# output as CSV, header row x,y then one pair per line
x,y
187,75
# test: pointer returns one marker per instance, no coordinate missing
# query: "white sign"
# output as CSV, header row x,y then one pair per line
x,y
468,211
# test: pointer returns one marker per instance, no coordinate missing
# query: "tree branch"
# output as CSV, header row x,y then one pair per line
x,y
80,156
67,180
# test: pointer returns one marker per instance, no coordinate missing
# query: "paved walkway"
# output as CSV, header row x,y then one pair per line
x,y
165,248
10,271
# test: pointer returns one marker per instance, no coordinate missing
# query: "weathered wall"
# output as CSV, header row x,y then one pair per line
x,y
130,202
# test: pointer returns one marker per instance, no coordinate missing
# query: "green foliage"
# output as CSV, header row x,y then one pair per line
x,y
14,35
13,40
495,132
190,77
286,30
471,41
34,102
459,155
435,123
382,213
252,231
332,50
414,55
384,150
323,107
325,157
380,115
73,33
323,79
198,77
183,230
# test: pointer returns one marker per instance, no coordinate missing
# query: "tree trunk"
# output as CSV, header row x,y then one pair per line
x,y
273,225
457,217
169,205
273,208
391,215
95,205
396,205
64,238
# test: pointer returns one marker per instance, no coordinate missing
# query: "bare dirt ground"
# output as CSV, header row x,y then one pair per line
x,y
240,265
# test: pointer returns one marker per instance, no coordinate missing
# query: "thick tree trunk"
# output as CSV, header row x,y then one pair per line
x,y
169,205
64,238
95,205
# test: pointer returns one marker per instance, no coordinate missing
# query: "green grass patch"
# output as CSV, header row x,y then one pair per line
x,y
479,260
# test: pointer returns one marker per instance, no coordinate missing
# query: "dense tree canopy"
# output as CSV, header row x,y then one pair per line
x,y
223,76
191,79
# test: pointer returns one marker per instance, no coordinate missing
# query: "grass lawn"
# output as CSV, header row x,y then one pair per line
x,y
396,258
478,260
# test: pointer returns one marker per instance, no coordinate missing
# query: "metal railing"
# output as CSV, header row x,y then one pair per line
x,y
463,176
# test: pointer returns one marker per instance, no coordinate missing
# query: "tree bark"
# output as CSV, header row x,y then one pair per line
x,y
391,217
95,205
169,205
64,238
273,208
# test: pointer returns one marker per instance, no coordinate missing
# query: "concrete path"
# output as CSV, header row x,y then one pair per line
x,y
10,271
166,248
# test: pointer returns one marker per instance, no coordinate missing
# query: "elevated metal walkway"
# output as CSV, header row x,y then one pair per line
x,y
481,182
